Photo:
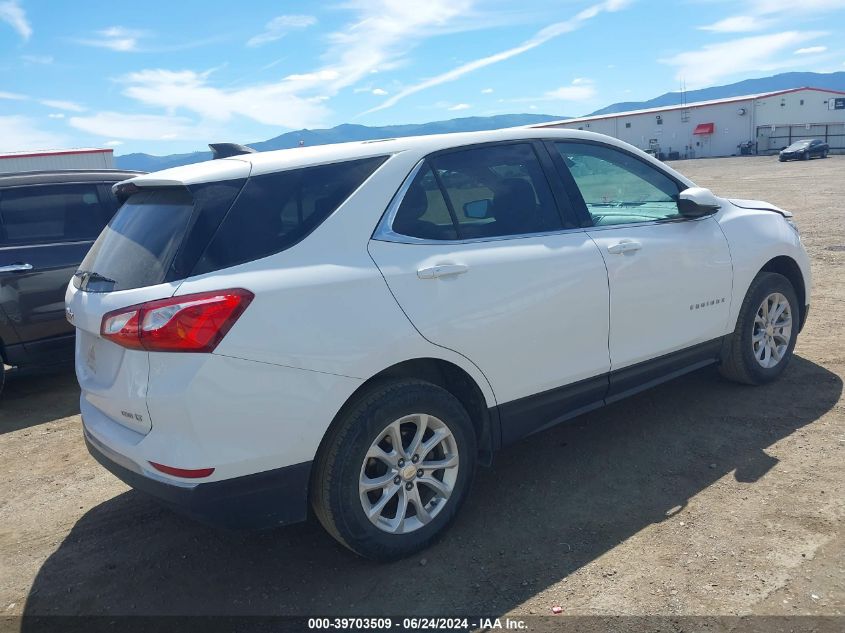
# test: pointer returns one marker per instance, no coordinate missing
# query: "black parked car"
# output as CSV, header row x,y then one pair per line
x,y
48,221
805,150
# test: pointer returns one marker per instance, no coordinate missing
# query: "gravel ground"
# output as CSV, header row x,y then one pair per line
x,y
698,497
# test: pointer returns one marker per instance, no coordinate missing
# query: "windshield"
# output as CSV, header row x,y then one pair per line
x,y
798,145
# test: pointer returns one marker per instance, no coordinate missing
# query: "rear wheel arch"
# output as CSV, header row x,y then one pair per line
x,y
447,375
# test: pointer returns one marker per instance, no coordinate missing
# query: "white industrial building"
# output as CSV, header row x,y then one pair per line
x,y
87,158
765,122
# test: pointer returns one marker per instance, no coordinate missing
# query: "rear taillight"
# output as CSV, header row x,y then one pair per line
x,y
189,323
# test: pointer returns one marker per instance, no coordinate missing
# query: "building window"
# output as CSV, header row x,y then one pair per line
x,y
801,102
628,124
659,120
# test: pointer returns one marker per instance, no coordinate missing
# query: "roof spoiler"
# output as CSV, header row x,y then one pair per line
x,y
225,150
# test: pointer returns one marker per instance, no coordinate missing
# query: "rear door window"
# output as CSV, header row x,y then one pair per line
x,y
490,191
277,210
52,213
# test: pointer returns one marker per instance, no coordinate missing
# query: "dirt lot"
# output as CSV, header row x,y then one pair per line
x,y
698,497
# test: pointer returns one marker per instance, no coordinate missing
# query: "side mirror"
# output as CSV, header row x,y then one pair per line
x,y
478,209
697,202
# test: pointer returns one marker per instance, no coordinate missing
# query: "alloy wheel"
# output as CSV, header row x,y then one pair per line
x,y
772,330
409,473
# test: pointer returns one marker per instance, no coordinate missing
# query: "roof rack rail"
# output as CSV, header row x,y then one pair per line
x,y
225,150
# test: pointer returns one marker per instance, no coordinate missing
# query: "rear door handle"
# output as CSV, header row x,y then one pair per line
x,y
626,246
443,270
17,267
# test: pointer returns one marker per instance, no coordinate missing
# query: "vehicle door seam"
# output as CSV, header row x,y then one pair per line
x,y
727,329
609,305
413,325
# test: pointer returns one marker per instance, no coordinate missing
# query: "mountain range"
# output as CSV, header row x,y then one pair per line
x,y
349,132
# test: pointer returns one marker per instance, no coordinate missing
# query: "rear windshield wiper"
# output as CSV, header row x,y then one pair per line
x,y
90,275
85,277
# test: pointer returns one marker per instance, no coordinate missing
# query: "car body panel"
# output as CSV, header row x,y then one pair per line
x,y
674,292
112,378
755,237
535,303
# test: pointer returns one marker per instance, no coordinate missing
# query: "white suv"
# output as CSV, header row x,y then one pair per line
x,y
357,325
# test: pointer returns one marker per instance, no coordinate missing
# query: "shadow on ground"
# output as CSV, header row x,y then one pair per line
x,y
549,505
30,399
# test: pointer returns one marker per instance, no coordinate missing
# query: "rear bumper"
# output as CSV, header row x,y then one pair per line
x,y
262,500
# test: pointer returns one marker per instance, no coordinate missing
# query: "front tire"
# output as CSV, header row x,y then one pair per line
x,y
761,346
394,469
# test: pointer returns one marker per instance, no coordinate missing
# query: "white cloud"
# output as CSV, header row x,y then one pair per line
x,y
113,143
13,96
761,14
56,115
459,106
144,127
320,76
738,24
377,39
37,59
13,14
487,91
116,38
20,133
62,105
541,37
272,104
581,89
379,92
792,7
570,93
811,50
707,65
280,26
385,30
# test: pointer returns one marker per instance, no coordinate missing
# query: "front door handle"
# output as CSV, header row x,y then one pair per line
x,y
626,246
17,267
443,270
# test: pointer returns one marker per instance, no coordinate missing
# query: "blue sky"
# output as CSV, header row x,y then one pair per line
x,y
170,76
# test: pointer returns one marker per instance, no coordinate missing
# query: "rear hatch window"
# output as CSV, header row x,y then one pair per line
x,y
166,234
153,238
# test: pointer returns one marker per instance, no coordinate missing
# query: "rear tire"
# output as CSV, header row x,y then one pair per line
x,y
2,376
761,346
824,154
362,481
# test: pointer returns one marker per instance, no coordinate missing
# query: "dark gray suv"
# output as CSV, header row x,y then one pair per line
x,y
48,221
